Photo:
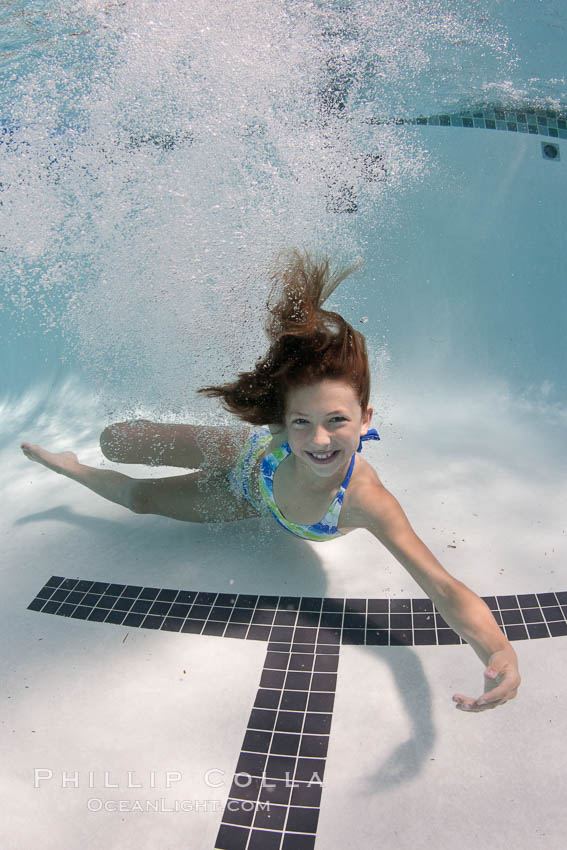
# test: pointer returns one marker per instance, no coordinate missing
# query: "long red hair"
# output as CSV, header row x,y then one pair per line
x,y
307,344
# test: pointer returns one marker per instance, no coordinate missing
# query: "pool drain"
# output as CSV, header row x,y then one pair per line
x,y
550,151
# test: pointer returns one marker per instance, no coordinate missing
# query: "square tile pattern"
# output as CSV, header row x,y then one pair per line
x,y
276,791
528,119
297,624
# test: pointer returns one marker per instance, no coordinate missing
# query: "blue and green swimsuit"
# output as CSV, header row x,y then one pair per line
x,y
239,478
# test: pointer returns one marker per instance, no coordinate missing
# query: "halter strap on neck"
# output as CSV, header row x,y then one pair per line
x,y
372,434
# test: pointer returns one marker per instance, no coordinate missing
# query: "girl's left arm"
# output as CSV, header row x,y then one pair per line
x,y
380,513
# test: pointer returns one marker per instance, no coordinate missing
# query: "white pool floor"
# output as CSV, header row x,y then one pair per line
x,y
96,713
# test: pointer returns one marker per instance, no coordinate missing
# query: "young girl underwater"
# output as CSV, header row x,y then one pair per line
x,y
308,398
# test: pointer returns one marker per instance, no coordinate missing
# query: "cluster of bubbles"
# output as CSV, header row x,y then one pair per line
x,y
158,154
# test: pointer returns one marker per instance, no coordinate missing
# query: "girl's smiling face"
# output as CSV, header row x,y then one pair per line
x,y
324,422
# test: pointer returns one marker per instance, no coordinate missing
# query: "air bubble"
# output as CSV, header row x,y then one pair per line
x,y
161,166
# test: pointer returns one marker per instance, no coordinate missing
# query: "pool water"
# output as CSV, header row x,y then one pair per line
x,y
154,159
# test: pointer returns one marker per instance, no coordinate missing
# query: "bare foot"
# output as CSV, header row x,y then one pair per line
x,y
62,462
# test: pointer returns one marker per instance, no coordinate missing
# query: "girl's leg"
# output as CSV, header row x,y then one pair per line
x,y
160,444
196,497
109,484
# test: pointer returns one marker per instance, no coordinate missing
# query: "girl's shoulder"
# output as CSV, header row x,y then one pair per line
x,y
365,489
279,436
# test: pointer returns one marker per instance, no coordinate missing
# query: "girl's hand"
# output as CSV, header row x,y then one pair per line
x,y
502,681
